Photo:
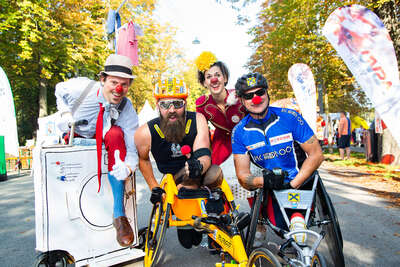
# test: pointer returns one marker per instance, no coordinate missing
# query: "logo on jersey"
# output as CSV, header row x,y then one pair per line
x,y
176,150
256,145
283,138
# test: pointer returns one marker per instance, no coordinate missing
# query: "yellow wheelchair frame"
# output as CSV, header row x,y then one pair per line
x,y
192,212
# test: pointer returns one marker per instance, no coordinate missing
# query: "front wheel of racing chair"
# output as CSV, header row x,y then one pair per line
x,y
156,232
329,223
262,257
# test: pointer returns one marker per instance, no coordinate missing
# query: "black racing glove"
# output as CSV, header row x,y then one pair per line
x,y
275,179
195,168
156,195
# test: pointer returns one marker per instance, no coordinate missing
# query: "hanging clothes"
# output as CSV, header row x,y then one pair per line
x,y
127,43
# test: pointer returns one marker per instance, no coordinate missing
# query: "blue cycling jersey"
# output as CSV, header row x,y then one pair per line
x,y
271,142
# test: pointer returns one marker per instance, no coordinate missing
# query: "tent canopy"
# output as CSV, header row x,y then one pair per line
x,y
147,113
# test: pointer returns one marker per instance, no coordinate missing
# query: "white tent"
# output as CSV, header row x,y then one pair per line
x,y
147,113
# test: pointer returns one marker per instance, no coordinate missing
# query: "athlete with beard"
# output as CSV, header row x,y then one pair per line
x,y
165,136
221,107
271,138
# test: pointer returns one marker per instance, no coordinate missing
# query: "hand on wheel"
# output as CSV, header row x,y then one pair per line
x,y
156,195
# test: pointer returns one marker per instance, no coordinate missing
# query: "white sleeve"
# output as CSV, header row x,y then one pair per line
x,y
67,92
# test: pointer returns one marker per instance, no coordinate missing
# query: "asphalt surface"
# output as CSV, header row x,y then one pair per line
x,y
370,226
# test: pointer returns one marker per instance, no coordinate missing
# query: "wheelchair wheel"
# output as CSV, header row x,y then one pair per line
x,y
142,238
155,234
255,213
262,257
333,235
318,260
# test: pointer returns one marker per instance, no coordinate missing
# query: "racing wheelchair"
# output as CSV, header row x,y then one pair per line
x,y
181,210
320,218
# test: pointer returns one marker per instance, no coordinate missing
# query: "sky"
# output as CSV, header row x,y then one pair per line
x,y
214,25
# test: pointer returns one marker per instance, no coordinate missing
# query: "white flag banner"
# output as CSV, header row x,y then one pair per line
x,y
303,84
364,44
8,122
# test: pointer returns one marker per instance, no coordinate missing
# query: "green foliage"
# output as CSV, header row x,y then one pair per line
x,y
43,42
289,32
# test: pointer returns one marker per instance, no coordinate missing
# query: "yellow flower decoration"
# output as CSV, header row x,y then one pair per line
x,y
205,60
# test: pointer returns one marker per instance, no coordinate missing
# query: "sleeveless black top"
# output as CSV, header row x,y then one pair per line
x,y
168,156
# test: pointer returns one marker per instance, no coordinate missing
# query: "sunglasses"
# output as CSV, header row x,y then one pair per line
x,y
166,104
249,96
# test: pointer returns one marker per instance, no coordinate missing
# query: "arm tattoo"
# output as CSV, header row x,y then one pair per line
x,y
311,140
249,182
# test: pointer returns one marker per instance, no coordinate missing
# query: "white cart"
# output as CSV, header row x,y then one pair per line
x,y
73,221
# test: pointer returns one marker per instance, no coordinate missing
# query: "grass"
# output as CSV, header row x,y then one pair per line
x,y
357,160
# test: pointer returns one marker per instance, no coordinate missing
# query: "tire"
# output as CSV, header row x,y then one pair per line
x,y
333,235
155,234
56,258
262,257
255,213
142,238
318,260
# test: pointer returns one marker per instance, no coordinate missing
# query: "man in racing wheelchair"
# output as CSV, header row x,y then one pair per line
x,y
271,138
165,136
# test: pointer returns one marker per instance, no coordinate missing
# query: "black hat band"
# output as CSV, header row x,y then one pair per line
x,y
118,68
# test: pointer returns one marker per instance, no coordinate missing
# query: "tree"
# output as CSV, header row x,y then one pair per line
x,y
43,42
289,32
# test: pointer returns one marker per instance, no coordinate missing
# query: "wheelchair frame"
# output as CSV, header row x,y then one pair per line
x,y
319,199
222,229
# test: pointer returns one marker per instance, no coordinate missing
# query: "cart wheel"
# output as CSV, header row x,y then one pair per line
x,y
155,234
318,260
333,237
56,258
262,257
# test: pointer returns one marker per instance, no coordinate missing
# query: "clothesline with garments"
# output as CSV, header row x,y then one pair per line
x,y
125,40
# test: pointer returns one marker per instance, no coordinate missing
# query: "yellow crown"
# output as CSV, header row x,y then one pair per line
x,y
170,87
205,60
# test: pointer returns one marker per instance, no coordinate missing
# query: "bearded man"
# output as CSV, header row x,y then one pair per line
x,y
165,136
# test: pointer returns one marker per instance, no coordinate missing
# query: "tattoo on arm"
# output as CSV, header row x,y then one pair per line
x,y
249,182
311,140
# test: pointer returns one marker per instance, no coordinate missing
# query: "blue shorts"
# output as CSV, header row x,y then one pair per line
x,y
344,141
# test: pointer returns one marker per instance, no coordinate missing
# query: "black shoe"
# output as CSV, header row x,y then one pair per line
x,y
189,237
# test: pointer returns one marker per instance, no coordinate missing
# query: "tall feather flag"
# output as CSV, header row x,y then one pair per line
x,y
364,44
303,84
8,121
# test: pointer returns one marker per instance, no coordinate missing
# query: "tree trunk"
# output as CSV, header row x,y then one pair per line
x,y
42,99
389,13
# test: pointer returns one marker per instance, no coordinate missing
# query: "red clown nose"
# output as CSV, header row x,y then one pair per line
x,y
256,100
214,80
185,149
118,89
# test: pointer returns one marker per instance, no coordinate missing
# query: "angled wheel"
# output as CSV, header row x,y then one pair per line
x,y
318,260
155,234
262,257
142,238
254,214
333,237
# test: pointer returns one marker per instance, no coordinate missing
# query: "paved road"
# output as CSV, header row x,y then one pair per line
x,y
370,227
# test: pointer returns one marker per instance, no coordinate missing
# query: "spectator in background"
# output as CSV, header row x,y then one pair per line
x,y
344,135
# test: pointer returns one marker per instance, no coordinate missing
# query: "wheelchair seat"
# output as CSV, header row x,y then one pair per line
x,y
186,193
